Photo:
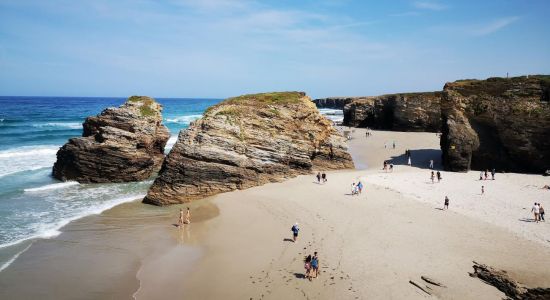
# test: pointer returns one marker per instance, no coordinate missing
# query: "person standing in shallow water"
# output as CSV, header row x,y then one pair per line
x,y
295,229
181,221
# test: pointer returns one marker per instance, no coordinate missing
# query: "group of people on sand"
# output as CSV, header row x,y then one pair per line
x,y
434,175
356,189
184,218
538,211
388,166
311,264
484,175
321,177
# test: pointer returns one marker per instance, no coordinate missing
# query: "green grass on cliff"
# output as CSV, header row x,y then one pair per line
x,y
145,109
237,106
267,98
496,86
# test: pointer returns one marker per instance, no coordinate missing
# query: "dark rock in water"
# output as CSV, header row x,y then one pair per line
x,y
501,123
404,112
119,145
333,102
546,173
248,141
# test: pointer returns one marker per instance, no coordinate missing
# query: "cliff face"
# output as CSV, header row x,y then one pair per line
x,y
406,112
248,141
497,123
119,145
333,102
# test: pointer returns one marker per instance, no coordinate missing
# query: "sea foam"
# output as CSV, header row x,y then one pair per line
x,y
52,186
26,158
184,119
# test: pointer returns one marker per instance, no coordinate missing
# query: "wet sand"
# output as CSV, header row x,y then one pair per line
x,y
104,256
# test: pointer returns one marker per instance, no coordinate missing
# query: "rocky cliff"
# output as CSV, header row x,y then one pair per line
x,y
333,102
120,144
501,123
248,141
406,112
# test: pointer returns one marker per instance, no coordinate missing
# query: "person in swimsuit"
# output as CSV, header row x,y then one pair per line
x,y
188,217
180,221
438,176
432,176
307,266
541,213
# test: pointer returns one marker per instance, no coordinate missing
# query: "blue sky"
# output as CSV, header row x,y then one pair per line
x,y
221,48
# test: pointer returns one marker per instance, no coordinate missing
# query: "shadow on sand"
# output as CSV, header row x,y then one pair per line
x,y
288,240
420,158
300,275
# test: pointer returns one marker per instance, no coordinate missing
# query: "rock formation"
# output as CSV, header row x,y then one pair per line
x,y
333,102
119,145
501,123
405,112
502,281
248,141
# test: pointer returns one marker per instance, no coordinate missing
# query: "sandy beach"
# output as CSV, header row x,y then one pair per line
x,y
370,246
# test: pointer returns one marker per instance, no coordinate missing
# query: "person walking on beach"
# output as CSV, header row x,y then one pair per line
x,y
446,203
431,164
393,144
541,212
536,211
486,174
307,266
181,221
295,229
482,190
409,161
188,217
318,177
385,145
391,167
360,187
324,177
493,171
438,176
315,265
481,175
433,177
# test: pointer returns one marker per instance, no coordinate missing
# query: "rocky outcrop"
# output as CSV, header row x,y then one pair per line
x,y
404,112
333,102
119,145
511,288
501,123
248,141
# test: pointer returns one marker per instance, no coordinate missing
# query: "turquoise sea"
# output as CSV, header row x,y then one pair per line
x,y
35,205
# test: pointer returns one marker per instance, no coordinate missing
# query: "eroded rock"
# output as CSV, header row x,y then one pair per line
x,y
119,145
501,123
403,112
248,141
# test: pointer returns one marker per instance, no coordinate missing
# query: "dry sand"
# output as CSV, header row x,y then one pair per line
x,y
370,246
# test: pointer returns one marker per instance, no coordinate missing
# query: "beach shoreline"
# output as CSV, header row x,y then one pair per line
x,y
237,245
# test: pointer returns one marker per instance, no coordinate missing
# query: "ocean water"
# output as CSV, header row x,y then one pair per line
x,y
35,205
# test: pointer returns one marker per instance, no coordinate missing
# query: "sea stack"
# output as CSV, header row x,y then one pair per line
x,y
248,141
501,123
119,145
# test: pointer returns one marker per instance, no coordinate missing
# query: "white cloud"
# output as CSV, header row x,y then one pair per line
x,y
494,26
429,5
